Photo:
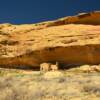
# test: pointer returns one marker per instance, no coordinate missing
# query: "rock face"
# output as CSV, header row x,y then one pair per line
x,y
69,40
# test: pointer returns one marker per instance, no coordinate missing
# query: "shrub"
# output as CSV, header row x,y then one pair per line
x,y
92,88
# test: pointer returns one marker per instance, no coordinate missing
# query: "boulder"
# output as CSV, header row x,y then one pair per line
x,y
53,75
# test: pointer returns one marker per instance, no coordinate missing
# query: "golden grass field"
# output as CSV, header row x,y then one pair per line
x,y
72,84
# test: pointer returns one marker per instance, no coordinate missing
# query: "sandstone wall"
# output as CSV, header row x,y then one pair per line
x,y
68,40
89,54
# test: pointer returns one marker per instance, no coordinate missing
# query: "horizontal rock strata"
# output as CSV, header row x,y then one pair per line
x,y
68,43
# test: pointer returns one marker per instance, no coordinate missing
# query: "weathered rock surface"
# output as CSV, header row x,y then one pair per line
x,y
68,40
53,74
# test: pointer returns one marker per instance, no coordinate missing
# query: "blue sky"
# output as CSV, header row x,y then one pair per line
x,y
32,11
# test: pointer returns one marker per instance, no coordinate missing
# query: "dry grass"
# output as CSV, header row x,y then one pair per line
x,y
31,85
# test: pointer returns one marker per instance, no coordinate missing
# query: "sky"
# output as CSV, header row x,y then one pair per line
x,y
33,11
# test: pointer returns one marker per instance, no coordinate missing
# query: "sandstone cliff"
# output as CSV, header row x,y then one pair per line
x,y
69,40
